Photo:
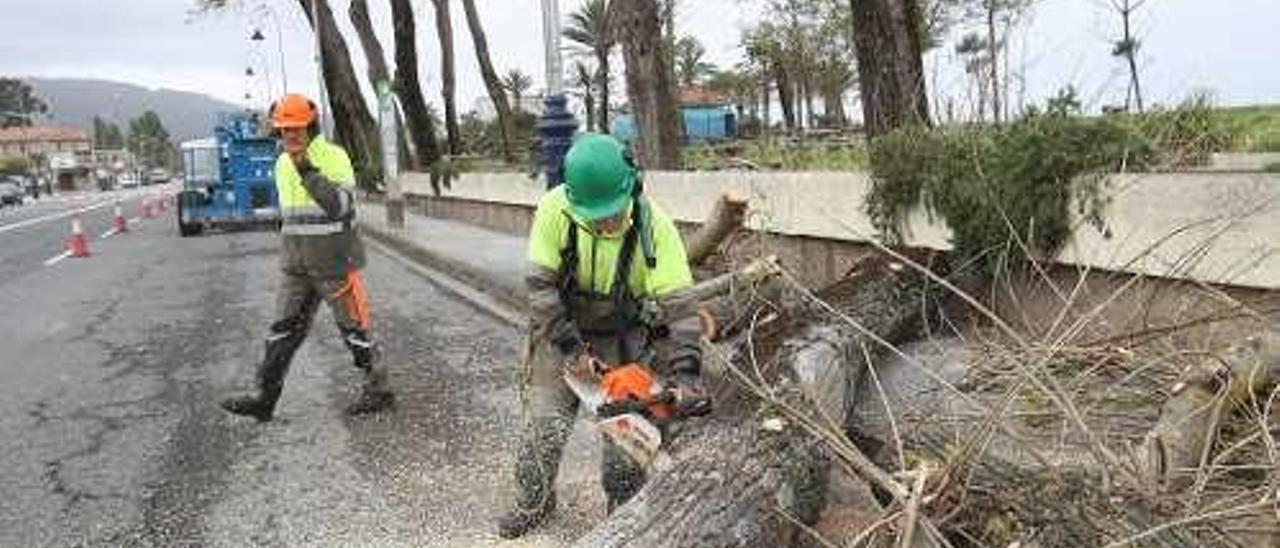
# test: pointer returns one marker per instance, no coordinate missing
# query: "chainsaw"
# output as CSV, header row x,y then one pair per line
x,y
629,405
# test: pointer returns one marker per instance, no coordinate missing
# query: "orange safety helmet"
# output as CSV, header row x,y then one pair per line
x,y
293,110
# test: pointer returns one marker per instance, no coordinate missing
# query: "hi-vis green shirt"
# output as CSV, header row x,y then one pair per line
x,y
598,255
320,240
329,159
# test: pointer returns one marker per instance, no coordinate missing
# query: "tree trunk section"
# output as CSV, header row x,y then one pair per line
x,y
734,482
726,218
602,61
492,83
354,127
421,128
890,68
649,83
373,54
448,75
993,61
785,96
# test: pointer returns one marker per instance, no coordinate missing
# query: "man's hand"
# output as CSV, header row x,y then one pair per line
x,y
301,162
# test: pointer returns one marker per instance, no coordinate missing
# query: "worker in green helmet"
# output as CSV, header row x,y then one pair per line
x,y
599,249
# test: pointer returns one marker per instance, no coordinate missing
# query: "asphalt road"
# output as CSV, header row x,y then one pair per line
x,y
111,368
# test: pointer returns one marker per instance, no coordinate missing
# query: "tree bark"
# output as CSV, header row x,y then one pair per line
x,y
354,127
735,483
602,61
726,218
649,83
377,62
492,83
786,96
421,128
993,61
448,75
1131,53
890,69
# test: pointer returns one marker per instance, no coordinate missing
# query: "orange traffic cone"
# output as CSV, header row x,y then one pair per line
x,y
118,223
77,245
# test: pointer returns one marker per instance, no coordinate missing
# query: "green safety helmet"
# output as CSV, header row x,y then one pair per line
x,y
598,176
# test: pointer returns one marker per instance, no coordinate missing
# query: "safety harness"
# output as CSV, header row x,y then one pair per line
x,y
628,311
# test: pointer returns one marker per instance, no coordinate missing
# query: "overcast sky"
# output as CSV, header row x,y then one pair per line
x,y
1228,47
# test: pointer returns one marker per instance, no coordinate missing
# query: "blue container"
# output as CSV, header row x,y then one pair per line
x,y
702,124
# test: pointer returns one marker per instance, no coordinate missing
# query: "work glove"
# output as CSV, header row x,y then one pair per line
x,y
689,395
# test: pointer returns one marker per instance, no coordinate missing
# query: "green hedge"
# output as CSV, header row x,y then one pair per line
x,y
991,182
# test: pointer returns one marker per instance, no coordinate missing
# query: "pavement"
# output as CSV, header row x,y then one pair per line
x,y
112,365
489,261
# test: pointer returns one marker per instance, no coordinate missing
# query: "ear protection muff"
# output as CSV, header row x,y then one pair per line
x,y
313,128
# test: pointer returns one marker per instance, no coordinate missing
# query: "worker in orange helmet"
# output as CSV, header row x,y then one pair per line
x,y
322,259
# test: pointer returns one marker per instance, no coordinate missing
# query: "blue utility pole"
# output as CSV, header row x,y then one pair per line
x,y
557,125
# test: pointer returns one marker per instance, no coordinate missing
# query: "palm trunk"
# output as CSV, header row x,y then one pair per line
x,y
377,64
377,69
786,96
421,128
589,102
649,83
890,68
602,61
444,30
1130,54
993,48
491,81
354,127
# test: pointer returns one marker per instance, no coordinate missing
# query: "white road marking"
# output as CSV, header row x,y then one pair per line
x,y
108,234
54,216
135,220
55,260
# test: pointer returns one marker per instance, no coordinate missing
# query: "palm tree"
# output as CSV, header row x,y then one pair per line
x,y
517,83
421,128
584,78
354,126
444,31
492,82
650,82
589,27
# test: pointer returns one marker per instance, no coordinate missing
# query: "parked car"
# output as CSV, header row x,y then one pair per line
x,y
157,176
11,192
129,180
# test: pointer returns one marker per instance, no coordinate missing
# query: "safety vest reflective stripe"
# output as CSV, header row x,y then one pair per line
x,y
313,229
303,211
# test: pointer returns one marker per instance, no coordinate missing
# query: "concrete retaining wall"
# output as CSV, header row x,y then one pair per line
x,y
1218,228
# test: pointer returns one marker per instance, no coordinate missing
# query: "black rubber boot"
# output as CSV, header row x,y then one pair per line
x,y
518,521
250,405
375,396
284,340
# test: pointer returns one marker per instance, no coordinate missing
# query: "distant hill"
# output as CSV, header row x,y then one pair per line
x,y
76,101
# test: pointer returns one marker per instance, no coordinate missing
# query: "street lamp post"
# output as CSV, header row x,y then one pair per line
x,y
557,125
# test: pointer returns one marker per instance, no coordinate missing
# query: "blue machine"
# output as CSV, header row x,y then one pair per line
x,y
228,179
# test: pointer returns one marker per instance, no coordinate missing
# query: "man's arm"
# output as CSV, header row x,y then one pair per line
x,y
548,314
336,201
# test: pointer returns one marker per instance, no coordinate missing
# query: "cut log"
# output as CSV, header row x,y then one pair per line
x,y
749,477
726,218
1190,420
